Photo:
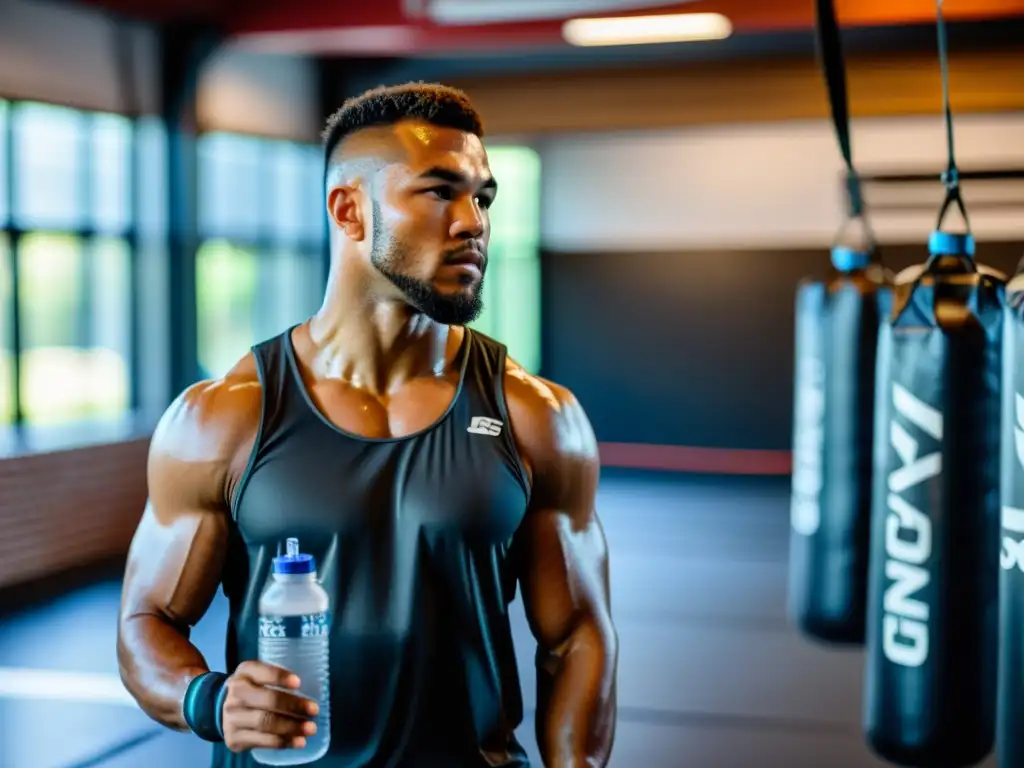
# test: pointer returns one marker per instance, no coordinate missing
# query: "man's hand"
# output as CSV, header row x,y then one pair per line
x,y
259,715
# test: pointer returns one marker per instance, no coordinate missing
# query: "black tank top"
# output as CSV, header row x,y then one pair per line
x,y
412,540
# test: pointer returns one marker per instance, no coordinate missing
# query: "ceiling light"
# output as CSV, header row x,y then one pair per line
x,y
642,30
503,11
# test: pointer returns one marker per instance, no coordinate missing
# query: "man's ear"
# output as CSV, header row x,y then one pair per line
x,y
343,206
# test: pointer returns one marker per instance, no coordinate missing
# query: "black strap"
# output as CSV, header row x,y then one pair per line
x,y
951,177
833,63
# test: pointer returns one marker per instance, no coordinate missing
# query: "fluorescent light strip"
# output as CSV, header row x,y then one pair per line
x,y
59,685
642,30
471,12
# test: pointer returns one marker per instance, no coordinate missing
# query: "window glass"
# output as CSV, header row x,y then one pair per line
x,y
290,291
516,310
226,290
292,192
48,154
6,334
233,183
511,294
110,186
516,212
315,210
245,297
4,167
74,364
110,319
152,138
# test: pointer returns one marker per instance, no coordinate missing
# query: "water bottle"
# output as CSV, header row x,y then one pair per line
x,y
294,635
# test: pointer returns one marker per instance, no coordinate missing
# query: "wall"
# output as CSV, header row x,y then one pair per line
x,y
60,53
672,258
64,54
985,77
754,186
265,95
689,348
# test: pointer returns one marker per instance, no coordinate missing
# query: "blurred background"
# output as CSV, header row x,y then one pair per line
x,y
160,211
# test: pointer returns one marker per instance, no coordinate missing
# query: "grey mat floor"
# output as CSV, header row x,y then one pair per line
x,y
710,675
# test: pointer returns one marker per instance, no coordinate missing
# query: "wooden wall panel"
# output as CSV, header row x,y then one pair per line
x,y
63,510
665,97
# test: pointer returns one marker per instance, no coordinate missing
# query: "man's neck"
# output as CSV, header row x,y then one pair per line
x,y
373,343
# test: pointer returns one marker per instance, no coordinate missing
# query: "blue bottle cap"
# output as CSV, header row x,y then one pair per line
x,y
293,562
846,259
950,244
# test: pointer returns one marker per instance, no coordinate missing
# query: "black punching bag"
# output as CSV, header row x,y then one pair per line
x,y
1010,732
836,337
930,687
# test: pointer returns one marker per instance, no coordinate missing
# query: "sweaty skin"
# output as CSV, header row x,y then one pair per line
x,y
202,445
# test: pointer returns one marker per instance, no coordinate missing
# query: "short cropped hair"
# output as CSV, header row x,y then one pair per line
x,y
437,104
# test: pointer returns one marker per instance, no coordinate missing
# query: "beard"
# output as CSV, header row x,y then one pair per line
x,y
389,255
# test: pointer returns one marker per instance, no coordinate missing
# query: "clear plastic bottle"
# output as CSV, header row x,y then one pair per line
x,y
294,635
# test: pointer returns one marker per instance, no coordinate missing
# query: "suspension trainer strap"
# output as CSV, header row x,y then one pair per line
x,y
833,64
951,177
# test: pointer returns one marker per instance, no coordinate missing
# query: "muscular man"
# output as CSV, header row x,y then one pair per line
x,y
426,472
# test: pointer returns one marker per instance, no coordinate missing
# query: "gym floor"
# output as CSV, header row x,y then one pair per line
x,y
710,674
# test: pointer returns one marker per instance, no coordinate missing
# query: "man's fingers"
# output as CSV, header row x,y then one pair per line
x,y
263,710
272,700
272,723
244,740
262,673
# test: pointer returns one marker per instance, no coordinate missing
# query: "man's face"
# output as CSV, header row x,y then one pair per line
x,y
431,225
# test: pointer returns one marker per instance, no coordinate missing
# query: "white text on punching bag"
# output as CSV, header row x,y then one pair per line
x,y
908,533
805,507
1012,554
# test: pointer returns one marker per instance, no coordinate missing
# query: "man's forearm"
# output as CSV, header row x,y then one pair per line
x,y
576,699
157,662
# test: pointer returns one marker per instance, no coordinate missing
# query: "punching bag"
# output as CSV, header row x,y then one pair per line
x,y
1010,731
931,649
931,655
836,335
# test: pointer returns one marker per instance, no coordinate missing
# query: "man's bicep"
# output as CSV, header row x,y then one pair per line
x,y
563,571
176,556
563,551
174,565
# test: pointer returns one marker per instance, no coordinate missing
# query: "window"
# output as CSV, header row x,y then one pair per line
x,y
512,287
66,265
260,268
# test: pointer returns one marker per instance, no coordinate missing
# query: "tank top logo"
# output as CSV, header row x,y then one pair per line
x,y
306,625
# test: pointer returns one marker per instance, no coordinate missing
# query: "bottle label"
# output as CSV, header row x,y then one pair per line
x,y
305,625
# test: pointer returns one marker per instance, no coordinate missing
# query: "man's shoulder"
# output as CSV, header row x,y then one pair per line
x,y
528,391
212,418
548,420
